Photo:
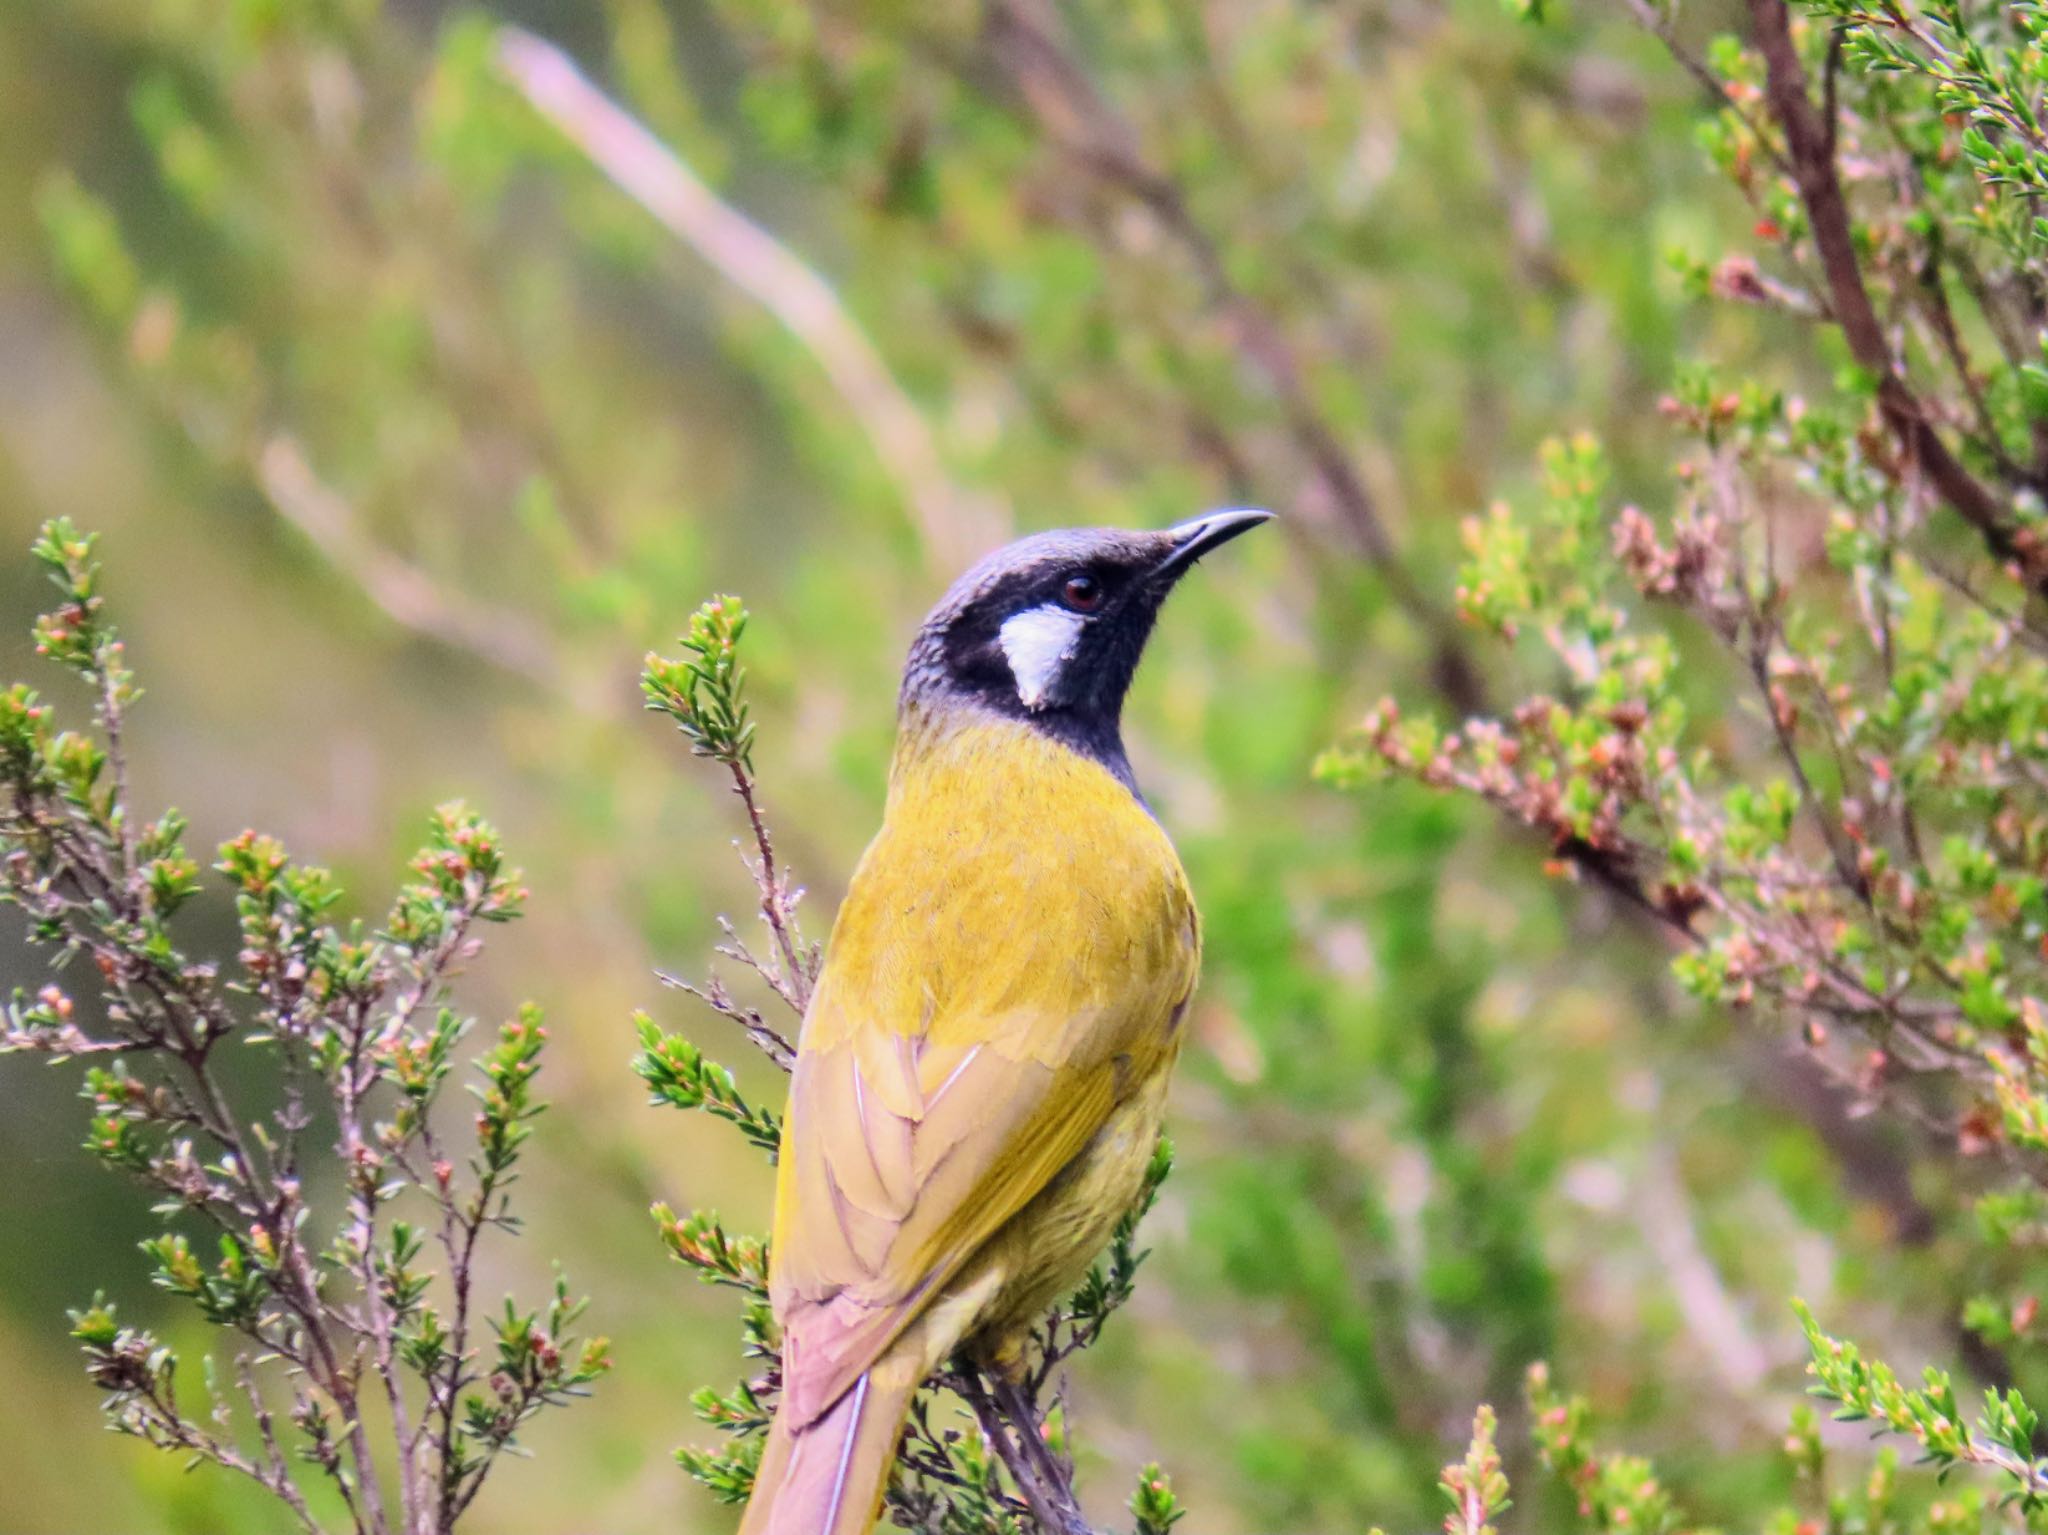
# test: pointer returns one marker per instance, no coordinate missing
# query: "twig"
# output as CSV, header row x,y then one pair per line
x,y
278,1477
955,527
159,1421
1810,147
771,1042
1941,318
1658,24
1050,1495
797,975
1025,37
405,593
193,1022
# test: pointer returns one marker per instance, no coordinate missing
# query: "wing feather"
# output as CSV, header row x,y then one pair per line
x,y
997,977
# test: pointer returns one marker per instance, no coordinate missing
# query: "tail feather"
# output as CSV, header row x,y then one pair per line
x,y
828,1477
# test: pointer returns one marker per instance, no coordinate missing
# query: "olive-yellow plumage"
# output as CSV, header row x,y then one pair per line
x,y
983,1067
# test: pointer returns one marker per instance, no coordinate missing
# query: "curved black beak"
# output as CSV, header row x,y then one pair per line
x,y
1198,535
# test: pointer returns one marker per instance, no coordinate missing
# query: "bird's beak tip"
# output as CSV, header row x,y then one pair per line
x,y
1213,528
1198,535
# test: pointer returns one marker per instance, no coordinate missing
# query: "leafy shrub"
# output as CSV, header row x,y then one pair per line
x,y
1798,713
340,1218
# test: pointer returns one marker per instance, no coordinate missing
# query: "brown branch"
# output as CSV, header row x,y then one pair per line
x,y
1809,143
955,526
1015,1439
406,594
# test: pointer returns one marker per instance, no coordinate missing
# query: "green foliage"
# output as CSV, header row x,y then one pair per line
x,y
1153,1505
232,1296
728,1473
701,1241
706,695
1123,261
1618,1492
1476,1486
1869,1390
350,1019
1293,257
1794,707
539,1364
1614,1492
677,1073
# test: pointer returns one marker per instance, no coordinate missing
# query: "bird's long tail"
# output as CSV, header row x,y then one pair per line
x,y
828,1477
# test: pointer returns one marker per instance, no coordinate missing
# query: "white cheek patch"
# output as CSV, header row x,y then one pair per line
x,y
1037,643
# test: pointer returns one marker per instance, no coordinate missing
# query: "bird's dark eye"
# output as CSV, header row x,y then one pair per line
x,y
1082,593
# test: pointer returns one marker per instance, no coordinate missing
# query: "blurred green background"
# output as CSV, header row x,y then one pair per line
x,y
410,433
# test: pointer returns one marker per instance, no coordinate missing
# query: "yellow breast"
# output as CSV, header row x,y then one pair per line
x,y
1017,890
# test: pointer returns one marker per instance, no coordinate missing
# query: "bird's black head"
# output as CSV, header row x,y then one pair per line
x,y
1049,629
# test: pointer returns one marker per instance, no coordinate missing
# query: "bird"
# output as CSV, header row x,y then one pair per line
x,y
982,1070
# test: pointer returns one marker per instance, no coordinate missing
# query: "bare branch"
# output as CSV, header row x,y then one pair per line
x,y
771,1042
407,594
955,526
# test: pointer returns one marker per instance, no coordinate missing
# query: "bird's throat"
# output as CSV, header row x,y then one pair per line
x,y
958,734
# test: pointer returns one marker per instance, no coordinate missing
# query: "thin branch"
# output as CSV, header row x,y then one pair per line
x,y
1934,304
362,1175
406,594
1809,144
1841,851
770,1041
954,525
278,1477
1659,25
1026,39
797,974
160,1422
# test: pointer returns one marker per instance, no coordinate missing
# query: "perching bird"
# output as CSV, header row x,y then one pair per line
x,y
982,1069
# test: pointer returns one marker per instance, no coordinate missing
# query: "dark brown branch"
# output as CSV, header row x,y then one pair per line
x,y
1809,144
1048,1491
